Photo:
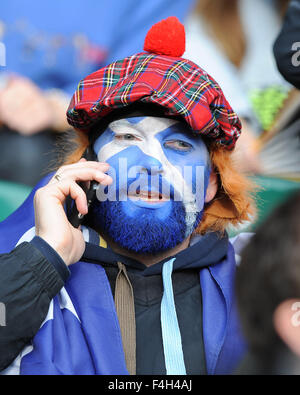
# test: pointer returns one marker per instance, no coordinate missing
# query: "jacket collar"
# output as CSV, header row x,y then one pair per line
x,y
203,251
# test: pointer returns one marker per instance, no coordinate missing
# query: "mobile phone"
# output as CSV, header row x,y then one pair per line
x,y
74,217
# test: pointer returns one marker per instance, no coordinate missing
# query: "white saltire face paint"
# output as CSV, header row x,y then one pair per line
x,y
152,161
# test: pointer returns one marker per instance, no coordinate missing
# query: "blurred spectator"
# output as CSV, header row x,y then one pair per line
x,y
268,293
232,40
287,45
49,47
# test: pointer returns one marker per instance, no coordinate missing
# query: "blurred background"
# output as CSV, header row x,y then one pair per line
x,y
51,45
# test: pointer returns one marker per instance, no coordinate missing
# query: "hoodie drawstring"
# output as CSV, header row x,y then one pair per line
x,y
172,343
124,301
171,336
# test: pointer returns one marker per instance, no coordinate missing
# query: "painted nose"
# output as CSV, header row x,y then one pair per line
x,y
150,165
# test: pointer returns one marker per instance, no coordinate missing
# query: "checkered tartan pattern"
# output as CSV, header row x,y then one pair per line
x,y
178,85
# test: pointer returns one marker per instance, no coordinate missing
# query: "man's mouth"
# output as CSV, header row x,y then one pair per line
x,y
148,196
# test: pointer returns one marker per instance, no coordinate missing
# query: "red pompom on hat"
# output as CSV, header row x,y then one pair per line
x,y
166,37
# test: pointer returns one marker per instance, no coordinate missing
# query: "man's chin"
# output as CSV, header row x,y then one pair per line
x,y
141,232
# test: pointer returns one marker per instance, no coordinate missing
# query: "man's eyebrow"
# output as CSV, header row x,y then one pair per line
x,y
146,126
121,125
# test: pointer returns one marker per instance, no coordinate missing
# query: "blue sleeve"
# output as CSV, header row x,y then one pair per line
x,y
58,45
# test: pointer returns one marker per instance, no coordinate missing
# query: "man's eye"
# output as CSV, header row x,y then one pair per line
x,y
178,145
126,137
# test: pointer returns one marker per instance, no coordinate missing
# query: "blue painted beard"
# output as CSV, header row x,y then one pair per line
x,y
145,233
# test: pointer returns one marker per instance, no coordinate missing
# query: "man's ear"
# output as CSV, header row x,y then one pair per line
x,y
212,187
286,320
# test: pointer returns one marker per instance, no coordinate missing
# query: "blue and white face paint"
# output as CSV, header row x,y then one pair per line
x,y
159,169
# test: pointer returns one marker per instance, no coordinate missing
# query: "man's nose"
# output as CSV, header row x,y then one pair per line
x,y
150,165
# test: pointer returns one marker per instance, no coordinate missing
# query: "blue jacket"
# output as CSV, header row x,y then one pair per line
x,y
81,333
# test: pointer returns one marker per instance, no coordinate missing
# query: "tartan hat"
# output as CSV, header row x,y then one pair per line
x,y
162,77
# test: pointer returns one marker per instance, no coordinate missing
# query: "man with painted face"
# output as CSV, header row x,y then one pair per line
x,y
160,172
151,284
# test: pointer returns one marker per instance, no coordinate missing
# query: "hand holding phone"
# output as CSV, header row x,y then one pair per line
x,y
75,217
51,221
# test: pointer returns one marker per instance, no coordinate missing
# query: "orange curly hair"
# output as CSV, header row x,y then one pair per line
x,y
234,201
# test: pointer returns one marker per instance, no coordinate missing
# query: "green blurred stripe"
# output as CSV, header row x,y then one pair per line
x,y
11,197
